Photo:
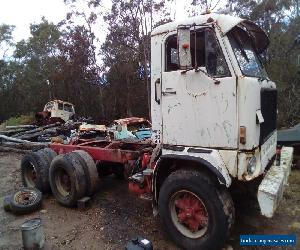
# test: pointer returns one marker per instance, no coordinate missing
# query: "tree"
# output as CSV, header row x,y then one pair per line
x,y
38,58
6,39
80,67
284,68
127,51
79,76
265,13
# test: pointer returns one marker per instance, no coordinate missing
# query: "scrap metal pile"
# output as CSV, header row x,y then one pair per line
x,y
58,123
23,138
31,137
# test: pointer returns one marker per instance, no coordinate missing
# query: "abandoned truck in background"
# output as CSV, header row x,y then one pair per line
x,y
55,111
213,123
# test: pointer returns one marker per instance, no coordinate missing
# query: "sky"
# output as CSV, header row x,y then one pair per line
x,y
23,12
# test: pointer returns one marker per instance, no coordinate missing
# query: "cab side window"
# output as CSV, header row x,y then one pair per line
x,y
68,107
49,106
60,106
215,61
205,52
172,54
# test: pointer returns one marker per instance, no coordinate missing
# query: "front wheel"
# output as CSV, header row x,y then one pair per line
x,y
192,211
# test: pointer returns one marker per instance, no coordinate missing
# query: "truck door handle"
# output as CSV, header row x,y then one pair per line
x,y
169,92
157,82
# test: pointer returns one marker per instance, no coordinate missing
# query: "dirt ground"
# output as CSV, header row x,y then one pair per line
x,y
116,216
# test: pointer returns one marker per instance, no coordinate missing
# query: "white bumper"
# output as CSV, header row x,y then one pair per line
x,y
270,190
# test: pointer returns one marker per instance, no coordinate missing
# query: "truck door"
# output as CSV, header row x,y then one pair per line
x,y
199,104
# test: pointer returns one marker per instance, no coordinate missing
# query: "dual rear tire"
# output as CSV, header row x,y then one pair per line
x,y
70,177
73,176
35,169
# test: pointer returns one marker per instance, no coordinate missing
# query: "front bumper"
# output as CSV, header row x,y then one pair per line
x,y
270,190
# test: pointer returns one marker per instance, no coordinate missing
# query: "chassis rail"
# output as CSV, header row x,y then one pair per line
x,y
115,151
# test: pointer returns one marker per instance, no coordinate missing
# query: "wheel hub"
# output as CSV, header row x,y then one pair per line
x,y
63,182
25,197
191,212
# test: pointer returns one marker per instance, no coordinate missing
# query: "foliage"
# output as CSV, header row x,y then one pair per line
x,y
6,39
19,120
126,55
24,86
283,67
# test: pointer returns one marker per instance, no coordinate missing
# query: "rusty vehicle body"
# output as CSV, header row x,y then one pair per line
x,y
55,111
132,128
116,151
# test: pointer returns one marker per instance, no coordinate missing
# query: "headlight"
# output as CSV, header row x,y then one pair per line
x,y
251,165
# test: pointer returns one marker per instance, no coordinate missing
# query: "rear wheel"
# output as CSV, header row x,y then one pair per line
x,y
90,170
50,154
35,170
192,211
67,179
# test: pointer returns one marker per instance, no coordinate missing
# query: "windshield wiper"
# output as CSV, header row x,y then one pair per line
x,y
184,71
262,78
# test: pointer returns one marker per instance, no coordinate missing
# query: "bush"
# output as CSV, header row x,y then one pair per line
x,y
19,120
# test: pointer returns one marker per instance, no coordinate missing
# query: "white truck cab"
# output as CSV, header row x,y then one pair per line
x,y
213,110
60,109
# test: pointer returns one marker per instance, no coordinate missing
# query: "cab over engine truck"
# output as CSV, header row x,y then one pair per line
x,y
213,121
55,111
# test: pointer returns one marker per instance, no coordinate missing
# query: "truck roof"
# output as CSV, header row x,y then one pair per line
x,y
224,22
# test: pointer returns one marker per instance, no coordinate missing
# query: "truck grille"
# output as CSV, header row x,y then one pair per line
x,y
268,100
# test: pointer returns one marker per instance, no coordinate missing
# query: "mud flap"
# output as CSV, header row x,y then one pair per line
x,y
271,189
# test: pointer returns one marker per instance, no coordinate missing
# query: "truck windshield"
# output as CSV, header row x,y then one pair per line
x,y
245,53
68,107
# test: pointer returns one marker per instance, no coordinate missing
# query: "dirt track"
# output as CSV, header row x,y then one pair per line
x,y
115,216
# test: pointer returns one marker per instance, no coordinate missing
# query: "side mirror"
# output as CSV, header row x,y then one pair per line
x,y
184,47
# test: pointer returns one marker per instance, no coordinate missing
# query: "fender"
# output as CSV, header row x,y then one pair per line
x,y
210,159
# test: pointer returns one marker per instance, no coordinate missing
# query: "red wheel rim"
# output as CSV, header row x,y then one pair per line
x,y
189,214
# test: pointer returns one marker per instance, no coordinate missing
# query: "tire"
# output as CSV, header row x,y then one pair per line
x,y
26,200
206,231
6,203
90,170
67,180
50,154
228,206
35,170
